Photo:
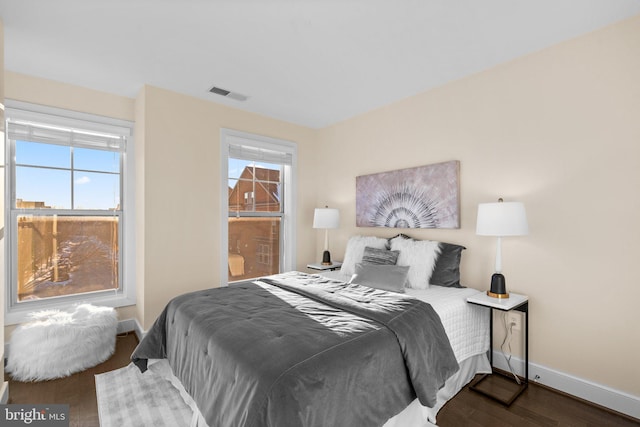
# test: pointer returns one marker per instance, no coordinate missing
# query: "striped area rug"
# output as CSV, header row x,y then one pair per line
x,y
127,397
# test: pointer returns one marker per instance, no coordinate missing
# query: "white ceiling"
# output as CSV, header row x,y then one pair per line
x,y
310,62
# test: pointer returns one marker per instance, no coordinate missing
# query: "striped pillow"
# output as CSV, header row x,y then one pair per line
x,y
379,256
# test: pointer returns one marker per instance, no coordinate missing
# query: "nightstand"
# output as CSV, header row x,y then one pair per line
x,y
514,302
333,266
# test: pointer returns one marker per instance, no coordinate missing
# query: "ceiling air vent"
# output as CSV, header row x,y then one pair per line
x,y
228,94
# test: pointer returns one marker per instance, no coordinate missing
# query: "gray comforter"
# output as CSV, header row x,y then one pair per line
x,y
299,350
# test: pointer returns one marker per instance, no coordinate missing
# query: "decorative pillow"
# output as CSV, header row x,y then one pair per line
x,y
385,277
355,251
447,270
379,256
420,256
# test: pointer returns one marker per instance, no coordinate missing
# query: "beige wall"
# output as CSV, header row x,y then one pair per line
x,y
560,131
60,95
177,181
557,129
179,197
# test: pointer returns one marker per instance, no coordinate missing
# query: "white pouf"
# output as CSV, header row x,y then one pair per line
x,y
58,343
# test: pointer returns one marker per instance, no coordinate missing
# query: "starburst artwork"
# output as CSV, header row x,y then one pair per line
x,y
421,197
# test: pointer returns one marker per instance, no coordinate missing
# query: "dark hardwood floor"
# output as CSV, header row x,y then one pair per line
x,y
78,390
538,406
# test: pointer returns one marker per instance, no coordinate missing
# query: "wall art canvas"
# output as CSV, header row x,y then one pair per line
x,y
420,197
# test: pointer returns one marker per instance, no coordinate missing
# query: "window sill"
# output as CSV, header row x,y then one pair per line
x,y
20,314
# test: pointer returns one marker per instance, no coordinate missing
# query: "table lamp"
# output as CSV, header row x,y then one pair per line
x,y
326,218
501,219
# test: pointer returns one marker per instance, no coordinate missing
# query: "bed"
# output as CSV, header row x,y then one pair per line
x,y
309,350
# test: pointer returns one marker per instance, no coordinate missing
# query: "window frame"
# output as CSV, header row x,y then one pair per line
x,y
125,295
289,185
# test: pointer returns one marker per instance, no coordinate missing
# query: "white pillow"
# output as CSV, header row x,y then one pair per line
x,y
355,251
420,256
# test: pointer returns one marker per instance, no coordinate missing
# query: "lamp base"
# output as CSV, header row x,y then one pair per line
x,y
326,258
498,287
492,295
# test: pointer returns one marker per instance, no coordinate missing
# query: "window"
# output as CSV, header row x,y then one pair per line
x,y
258,187
66,208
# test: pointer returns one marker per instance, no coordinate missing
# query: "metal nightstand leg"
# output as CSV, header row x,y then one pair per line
x,y
524,381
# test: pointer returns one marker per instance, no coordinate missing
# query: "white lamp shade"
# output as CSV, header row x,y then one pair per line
x,y
326,218
502,219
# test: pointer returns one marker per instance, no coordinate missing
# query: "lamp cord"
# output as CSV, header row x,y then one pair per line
x,y
507,342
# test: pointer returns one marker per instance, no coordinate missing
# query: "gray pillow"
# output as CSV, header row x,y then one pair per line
x,y
385,277
355,250
447,270
379,256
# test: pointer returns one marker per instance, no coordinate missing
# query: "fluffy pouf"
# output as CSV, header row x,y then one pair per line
x,y
58,343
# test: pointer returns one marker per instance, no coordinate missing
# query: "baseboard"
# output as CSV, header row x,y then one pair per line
x,y
126,325
129,325
599,394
